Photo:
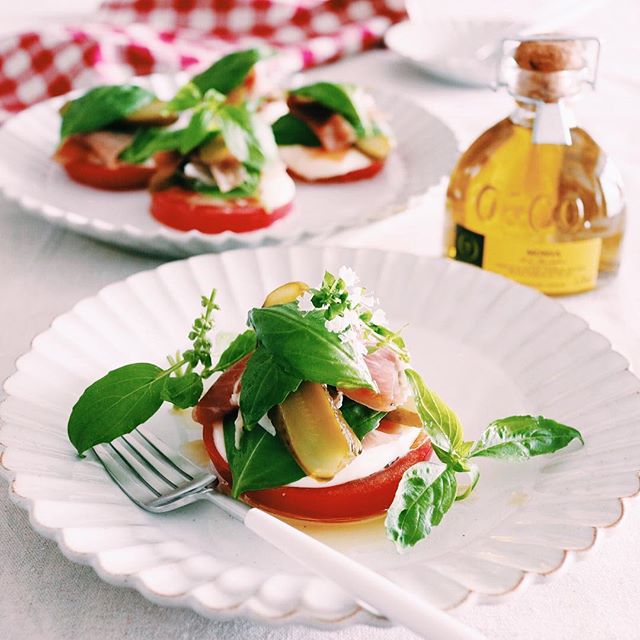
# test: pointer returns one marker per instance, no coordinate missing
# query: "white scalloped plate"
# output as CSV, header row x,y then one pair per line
x,y
426,152
489,346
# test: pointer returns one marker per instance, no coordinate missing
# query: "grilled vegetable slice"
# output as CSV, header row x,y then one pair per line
x,y
154,114
377,147
285,294
317,435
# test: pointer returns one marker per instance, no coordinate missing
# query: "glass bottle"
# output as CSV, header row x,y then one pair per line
x,y
534,197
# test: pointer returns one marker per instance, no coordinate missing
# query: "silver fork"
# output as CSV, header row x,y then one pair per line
x,y
159,479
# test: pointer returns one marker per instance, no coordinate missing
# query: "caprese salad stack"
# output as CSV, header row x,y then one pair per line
x,y
318,424
209,159
99,126
333,133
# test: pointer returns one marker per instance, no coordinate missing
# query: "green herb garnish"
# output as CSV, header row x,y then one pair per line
x,y
428,489
102,106
128,396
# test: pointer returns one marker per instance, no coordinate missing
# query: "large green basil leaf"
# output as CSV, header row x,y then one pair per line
x,y
148,141
264,384
438,419
229,72
102,106
115,404
302,345
241,346
262,461
291,130
522,437
336,97
425,493
361,419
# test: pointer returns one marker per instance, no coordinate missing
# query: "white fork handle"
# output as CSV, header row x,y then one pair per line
x,y
397,604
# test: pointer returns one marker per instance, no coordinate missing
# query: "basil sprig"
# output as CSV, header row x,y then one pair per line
x,y
210,118
223,76
128,396
261,462
427,490
102,106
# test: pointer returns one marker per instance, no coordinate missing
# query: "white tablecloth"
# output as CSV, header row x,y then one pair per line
x,y
43,271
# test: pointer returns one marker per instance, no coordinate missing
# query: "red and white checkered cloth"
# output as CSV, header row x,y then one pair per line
x,y
138,37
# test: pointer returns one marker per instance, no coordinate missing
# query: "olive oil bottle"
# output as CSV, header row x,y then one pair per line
x,y
535,198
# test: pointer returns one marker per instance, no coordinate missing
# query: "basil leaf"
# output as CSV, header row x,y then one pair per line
x,y
238,131
202,124
115,405
522,437
227,73
264,384
148,141
241,346
301,344
336,97
425,493
262,461
361,419
291,130
438,419
102,106
187,97
183,391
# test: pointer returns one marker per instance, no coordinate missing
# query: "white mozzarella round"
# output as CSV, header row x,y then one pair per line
x,y
317,164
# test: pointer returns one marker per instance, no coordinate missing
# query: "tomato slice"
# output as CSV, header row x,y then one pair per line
x,y
355,500
179,209
353,176
216,403
76,161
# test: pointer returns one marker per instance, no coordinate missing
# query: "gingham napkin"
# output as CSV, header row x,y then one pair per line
x,y
138,37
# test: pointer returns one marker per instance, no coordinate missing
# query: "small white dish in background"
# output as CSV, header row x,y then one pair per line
x,y
490,347
426,151
455,51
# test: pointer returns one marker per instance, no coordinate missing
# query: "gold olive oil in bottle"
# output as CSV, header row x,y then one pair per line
x,y
534,198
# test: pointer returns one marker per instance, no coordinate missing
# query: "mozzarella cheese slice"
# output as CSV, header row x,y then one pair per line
x,y
314,163
379,450
276,190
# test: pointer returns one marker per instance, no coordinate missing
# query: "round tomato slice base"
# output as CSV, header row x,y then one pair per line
x,y
74,158
356,500
353,176
178,208
121,178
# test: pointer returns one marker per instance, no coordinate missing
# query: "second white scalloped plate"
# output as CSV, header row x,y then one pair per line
x,y
426,152
490,347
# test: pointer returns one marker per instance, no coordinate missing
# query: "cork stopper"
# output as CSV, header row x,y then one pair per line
x,y
549,67
548,55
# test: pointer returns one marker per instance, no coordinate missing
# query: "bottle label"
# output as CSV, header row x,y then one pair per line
x,y
553,268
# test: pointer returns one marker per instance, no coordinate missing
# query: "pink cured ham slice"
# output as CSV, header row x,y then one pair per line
x,y
387,370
